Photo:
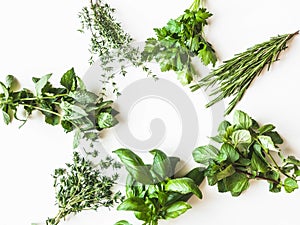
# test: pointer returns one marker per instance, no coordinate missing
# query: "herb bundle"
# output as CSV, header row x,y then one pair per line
x,y
109,42
71,105
179,41
152,191
82,187
236,74
247,151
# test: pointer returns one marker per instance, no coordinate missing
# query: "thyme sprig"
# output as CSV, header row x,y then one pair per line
x,y
235,75
110,44
83,187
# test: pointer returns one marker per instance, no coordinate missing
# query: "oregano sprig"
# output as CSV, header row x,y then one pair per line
x,y
82,186
247,151
71,105
235,75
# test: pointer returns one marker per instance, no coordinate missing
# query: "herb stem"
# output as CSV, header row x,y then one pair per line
x,y
258,176
43,110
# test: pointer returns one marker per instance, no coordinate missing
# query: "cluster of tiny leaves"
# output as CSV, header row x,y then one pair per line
x,y
81,186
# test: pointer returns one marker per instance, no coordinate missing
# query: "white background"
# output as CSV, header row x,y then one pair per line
x,y
40,37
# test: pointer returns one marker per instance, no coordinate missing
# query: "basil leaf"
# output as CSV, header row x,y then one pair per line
x,y
176,209
135,166
83,96
161,165
133,204
266,128
183,185
122,222
5,90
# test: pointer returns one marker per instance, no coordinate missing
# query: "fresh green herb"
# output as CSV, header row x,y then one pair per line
x,y
71,105
82,187
236,74
152,191
179,41
247,151
110,43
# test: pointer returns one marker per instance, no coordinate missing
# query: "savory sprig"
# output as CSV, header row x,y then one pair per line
x,y
179,41
82,186
109,43
152,191
247,151
71,105
235,75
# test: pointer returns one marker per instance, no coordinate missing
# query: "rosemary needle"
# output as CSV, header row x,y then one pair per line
x,y
235,75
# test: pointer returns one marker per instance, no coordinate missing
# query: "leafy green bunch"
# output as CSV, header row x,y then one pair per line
x,y
235,75
152,191
72,105
110,43
179,41
247,151
82,187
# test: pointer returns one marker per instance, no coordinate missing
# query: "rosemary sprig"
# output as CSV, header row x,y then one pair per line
x,y
234,76
82,186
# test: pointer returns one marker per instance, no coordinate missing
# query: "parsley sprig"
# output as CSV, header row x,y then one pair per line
x,y
179,41
72,105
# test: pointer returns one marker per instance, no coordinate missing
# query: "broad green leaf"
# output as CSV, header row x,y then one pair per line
x,y
258,164
227,172
77,138
274,187
290,185
242,120
83,97
205,153
237,183
41,84
223,127
267,143
80,84
52,119
68,80
122,222
241,137
275,137
133,188
183,185
266,128
292,160
161,165
176,209
6,117
68,127
135,166
5,90
11,82
72,112
231,153
133,204
106,120
173,161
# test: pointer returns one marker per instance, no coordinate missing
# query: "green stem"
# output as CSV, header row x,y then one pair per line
x,y
258,177
196,5
43,98
276,165
44,110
